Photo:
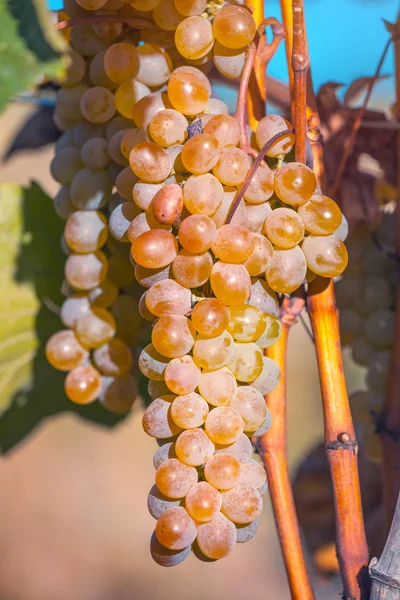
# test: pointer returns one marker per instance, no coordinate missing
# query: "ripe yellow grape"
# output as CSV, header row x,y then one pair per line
x,y
197,233
246,362
192,270
210,317
230,283
146,107
223,425
98,105
154,249
113,358
86,231
175,529
121,62
150,162
239,216
83,385
224,128
166,16
96,328
294,183
64,352
270,126
233,243
189,8
189,411
155,65
325,255
173,336
222,471
232,166
167,297
202,194
73,308
194,37
229,62
127,95
86,271
203,502
286,270
284,227
152,364
261,186
201,153
251,406
213,353
189,90
107,31
157,421
182,376
217,538
242,504
174,479
129,140
168,127
260,257
193,447
252,473
272,331
320,215
234,27
218,387
247,323
167,204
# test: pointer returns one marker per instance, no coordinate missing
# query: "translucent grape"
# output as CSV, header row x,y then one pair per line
x,y
222,471
148,106
164,557
148,277
65,165
234,27
250,404
225,129
182,376
157,421
127,95
193,447
247,323
229,62
166,16
95,327
86,231
157,503
86,271
270,126
167,204
223,425
202,194
167,297
261,186
320,215
220,216
94,153
203,502
210,317
104,295
154,249
152,364
218,387
252,473
113,358
189,90
73,308
121,62
194,37
197,233
189,411
192,270
189,8
325,255
379,328
255,216
75,70
271,333
201,153
294,183
175,529
260,257
83,385
174,479
168,127
150,162
213,353
64,352
90,190
242,504
144,192
230,283
284,227
98,104
173,336
232,166
233,243
246,362
155,65
286,270
68,101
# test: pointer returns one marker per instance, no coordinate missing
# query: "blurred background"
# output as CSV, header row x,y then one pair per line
x,y
74,520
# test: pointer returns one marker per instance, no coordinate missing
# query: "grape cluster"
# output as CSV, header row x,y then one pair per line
x,y
150,166
366,297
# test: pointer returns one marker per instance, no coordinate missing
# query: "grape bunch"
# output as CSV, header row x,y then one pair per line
x,y
151,173
366,297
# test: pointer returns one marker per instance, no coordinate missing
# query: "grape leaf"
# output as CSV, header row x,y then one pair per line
x,y
30,47
31,273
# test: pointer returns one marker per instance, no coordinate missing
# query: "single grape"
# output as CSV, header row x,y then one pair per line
x,y
150,162
148,277
201,153
261,186
167,204
130,138
90,190
197,233
157,421
83,384
294,183
116,124
286,270
234,26
66,164
182,376
64,352
247,323
98,104
232,166
113,358
86,231
175,529
261,255
86,271
189,8
157,503
250,404
270,126
242,504
342,231
218,387
118,394
246,362
223,425
120,220
166,16
213,353
194,37
219,217
174,479
230,283
255,216
163,453
144,192
152,364
325,255
228,61
225,129
127,95
189,411
154,249
284,227
192,270
167,297
104,295
168,127
193,447
145,222
85,131
173,336
242,449
155,65
272,331
121,62
233,243
210,317
222,471
75,69
320,215
203,502
189,90
68,102
73,308
252,473
202,194
245,533
96,327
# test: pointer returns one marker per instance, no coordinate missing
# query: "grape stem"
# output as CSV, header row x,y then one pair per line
x,y
258,160
133,23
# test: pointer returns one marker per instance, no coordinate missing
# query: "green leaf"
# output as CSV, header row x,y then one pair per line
x,y
31,273
30,47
